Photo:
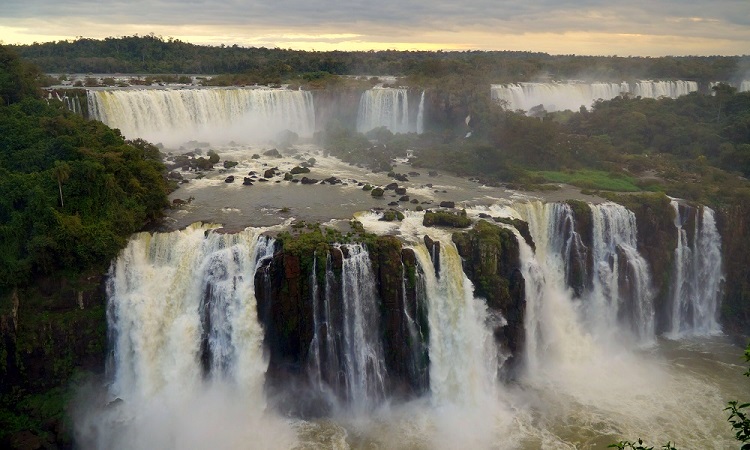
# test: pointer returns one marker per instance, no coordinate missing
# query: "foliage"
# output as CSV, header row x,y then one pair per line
x,y
592,179
738,417
446,219
73,190
155,54
625,445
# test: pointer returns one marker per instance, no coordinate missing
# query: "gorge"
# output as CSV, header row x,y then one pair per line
x,y
299,310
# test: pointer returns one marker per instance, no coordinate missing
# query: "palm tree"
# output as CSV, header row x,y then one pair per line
x,y
61,172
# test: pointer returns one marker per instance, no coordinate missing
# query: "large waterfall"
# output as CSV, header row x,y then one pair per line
x,y
572,95
174,116
697,273
388,107
191,314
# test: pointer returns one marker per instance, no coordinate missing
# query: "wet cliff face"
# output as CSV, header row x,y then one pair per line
x,y
657,240
48,333
301,304
491,261
733,223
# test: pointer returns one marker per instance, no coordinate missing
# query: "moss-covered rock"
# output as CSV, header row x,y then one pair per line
x,y
446,219
492,262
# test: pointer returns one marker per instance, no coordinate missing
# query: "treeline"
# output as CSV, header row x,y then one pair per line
x,y
154,54
72,190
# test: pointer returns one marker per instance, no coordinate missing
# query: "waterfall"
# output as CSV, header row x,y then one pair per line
x,y
463,355
420,115
744,86
555,328
178,298
346,349
175,116
571,95
622,282
384,107
697,274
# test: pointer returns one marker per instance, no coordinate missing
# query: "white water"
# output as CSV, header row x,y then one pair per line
x,y
420,115
561,96
216,115
744,86
698,276
168,292
385,107
583,392
622,293
364,363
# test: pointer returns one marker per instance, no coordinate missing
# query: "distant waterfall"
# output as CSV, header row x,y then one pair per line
x,y
560,96
385,107
463,355
346,351
175,116
744,86
420,115
697,275
622,282
183,303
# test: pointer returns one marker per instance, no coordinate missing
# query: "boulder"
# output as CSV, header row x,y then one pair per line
x,y
447,204
377,192
273,153
247,181
400,191
297,170
229,179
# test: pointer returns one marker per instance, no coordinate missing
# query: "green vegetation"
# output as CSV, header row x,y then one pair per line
x,y
446,219
73,191
592,179
155,54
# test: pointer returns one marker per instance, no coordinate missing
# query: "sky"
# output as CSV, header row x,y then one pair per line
x,y
584,27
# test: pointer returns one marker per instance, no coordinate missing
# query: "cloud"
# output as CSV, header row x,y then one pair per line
x,y
687,26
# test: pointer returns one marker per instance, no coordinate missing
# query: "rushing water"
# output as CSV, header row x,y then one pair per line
x,y
572,95
388,107
174,116
697,273
189,365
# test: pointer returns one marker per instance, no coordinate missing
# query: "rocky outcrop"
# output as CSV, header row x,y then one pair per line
x,y
492,262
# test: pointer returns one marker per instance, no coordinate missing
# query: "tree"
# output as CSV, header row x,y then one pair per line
x,y
61,172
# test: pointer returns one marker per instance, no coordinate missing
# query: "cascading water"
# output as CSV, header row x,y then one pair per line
x,y
384,107
420,115
562,96
346,349
697,275
463,355
174,116
744,86
185,339
622,281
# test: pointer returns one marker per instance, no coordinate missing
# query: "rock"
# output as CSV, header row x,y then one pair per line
x,y
404,198
229,179
446,219
230,164
174,175
484,216
252,173
393,204
263,180
288,176
432,173
297,170
400,190
413,174
269,173
312,161
255,156
429,185
419,208
391,186
332,180
367,187
377,192
415,201
401,177
247,181
295,181
391,215
306,180
273,153
447,204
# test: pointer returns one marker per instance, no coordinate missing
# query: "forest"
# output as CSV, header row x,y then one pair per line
x,y
150,54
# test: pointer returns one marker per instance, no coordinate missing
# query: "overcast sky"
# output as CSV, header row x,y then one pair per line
x,y
598,27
